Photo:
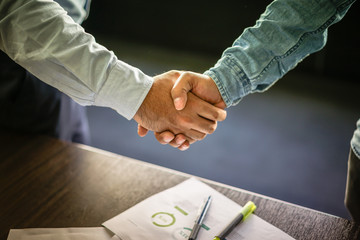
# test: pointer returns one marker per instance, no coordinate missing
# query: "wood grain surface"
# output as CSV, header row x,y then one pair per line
x,y
45,183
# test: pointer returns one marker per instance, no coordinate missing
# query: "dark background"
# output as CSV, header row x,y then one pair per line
x,y
208,27
290,142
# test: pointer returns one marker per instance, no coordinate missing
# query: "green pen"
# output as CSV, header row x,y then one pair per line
x,y
244,213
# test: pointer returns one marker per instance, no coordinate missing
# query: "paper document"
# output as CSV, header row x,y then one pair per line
x,y
97,233
170,215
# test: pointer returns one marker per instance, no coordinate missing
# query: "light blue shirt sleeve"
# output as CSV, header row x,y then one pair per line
x,y
43,38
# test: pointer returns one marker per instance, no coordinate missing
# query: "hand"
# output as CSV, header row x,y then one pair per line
x,y
202,86
157,112
178,141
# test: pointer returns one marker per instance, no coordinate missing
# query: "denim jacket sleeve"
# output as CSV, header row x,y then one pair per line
x,y
355,141
286,33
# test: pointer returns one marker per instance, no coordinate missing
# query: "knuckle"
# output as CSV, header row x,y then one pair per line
x,y
219,115
174,144
180,139
216,114
212,128
198,136
202,136
184,90
185,74
160,138
224,115
161,141
185,121
174,72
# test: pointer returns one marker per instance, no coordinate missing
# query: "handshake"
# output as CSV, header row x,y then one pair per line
x,y
181,108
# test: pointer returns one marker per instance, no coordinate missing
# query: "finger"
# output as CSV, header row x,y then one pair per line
x,y
185,146
194,134
211,112
206,109
174,144
181,138
142,131
201,116
221,105
181,141
178,140
196,125
180,89
164,137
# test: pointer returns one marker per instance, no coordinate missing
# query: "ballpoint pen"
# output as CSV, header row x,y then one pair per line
x,y
200,218
244,213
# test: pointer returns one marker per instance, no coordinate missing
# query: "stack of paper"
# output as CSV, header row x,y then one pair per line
x,y
168,215
98,233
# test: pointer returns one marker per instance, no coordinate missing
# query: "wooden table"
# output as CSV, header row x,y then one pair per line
x,y
45,182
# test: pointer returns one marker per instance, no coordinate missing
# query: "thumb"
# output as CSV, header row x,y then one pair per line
x,y
221,105
180,89
142,131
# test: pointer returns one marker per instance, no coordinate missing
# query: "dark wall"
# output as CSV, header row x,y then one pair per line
x,y
209,27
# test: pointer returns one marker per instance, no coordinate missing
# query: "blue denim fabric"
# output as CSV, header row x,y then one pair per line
x,y
355,141
287,32
76,9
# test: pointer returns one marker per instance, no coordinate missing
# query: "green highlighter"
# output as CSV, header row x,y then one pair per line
x,y
244,213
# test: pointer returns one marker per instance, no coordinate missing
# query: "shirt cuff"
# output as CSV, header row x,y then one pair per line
x,y
231,80
125,90
355,141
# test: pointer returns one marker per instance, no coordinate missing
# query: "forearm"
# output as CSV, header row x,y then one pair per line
x,y
286,33
40,36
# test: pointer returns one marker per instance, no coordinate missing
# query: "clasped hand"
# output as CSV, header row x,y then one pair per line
x,y
181,108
